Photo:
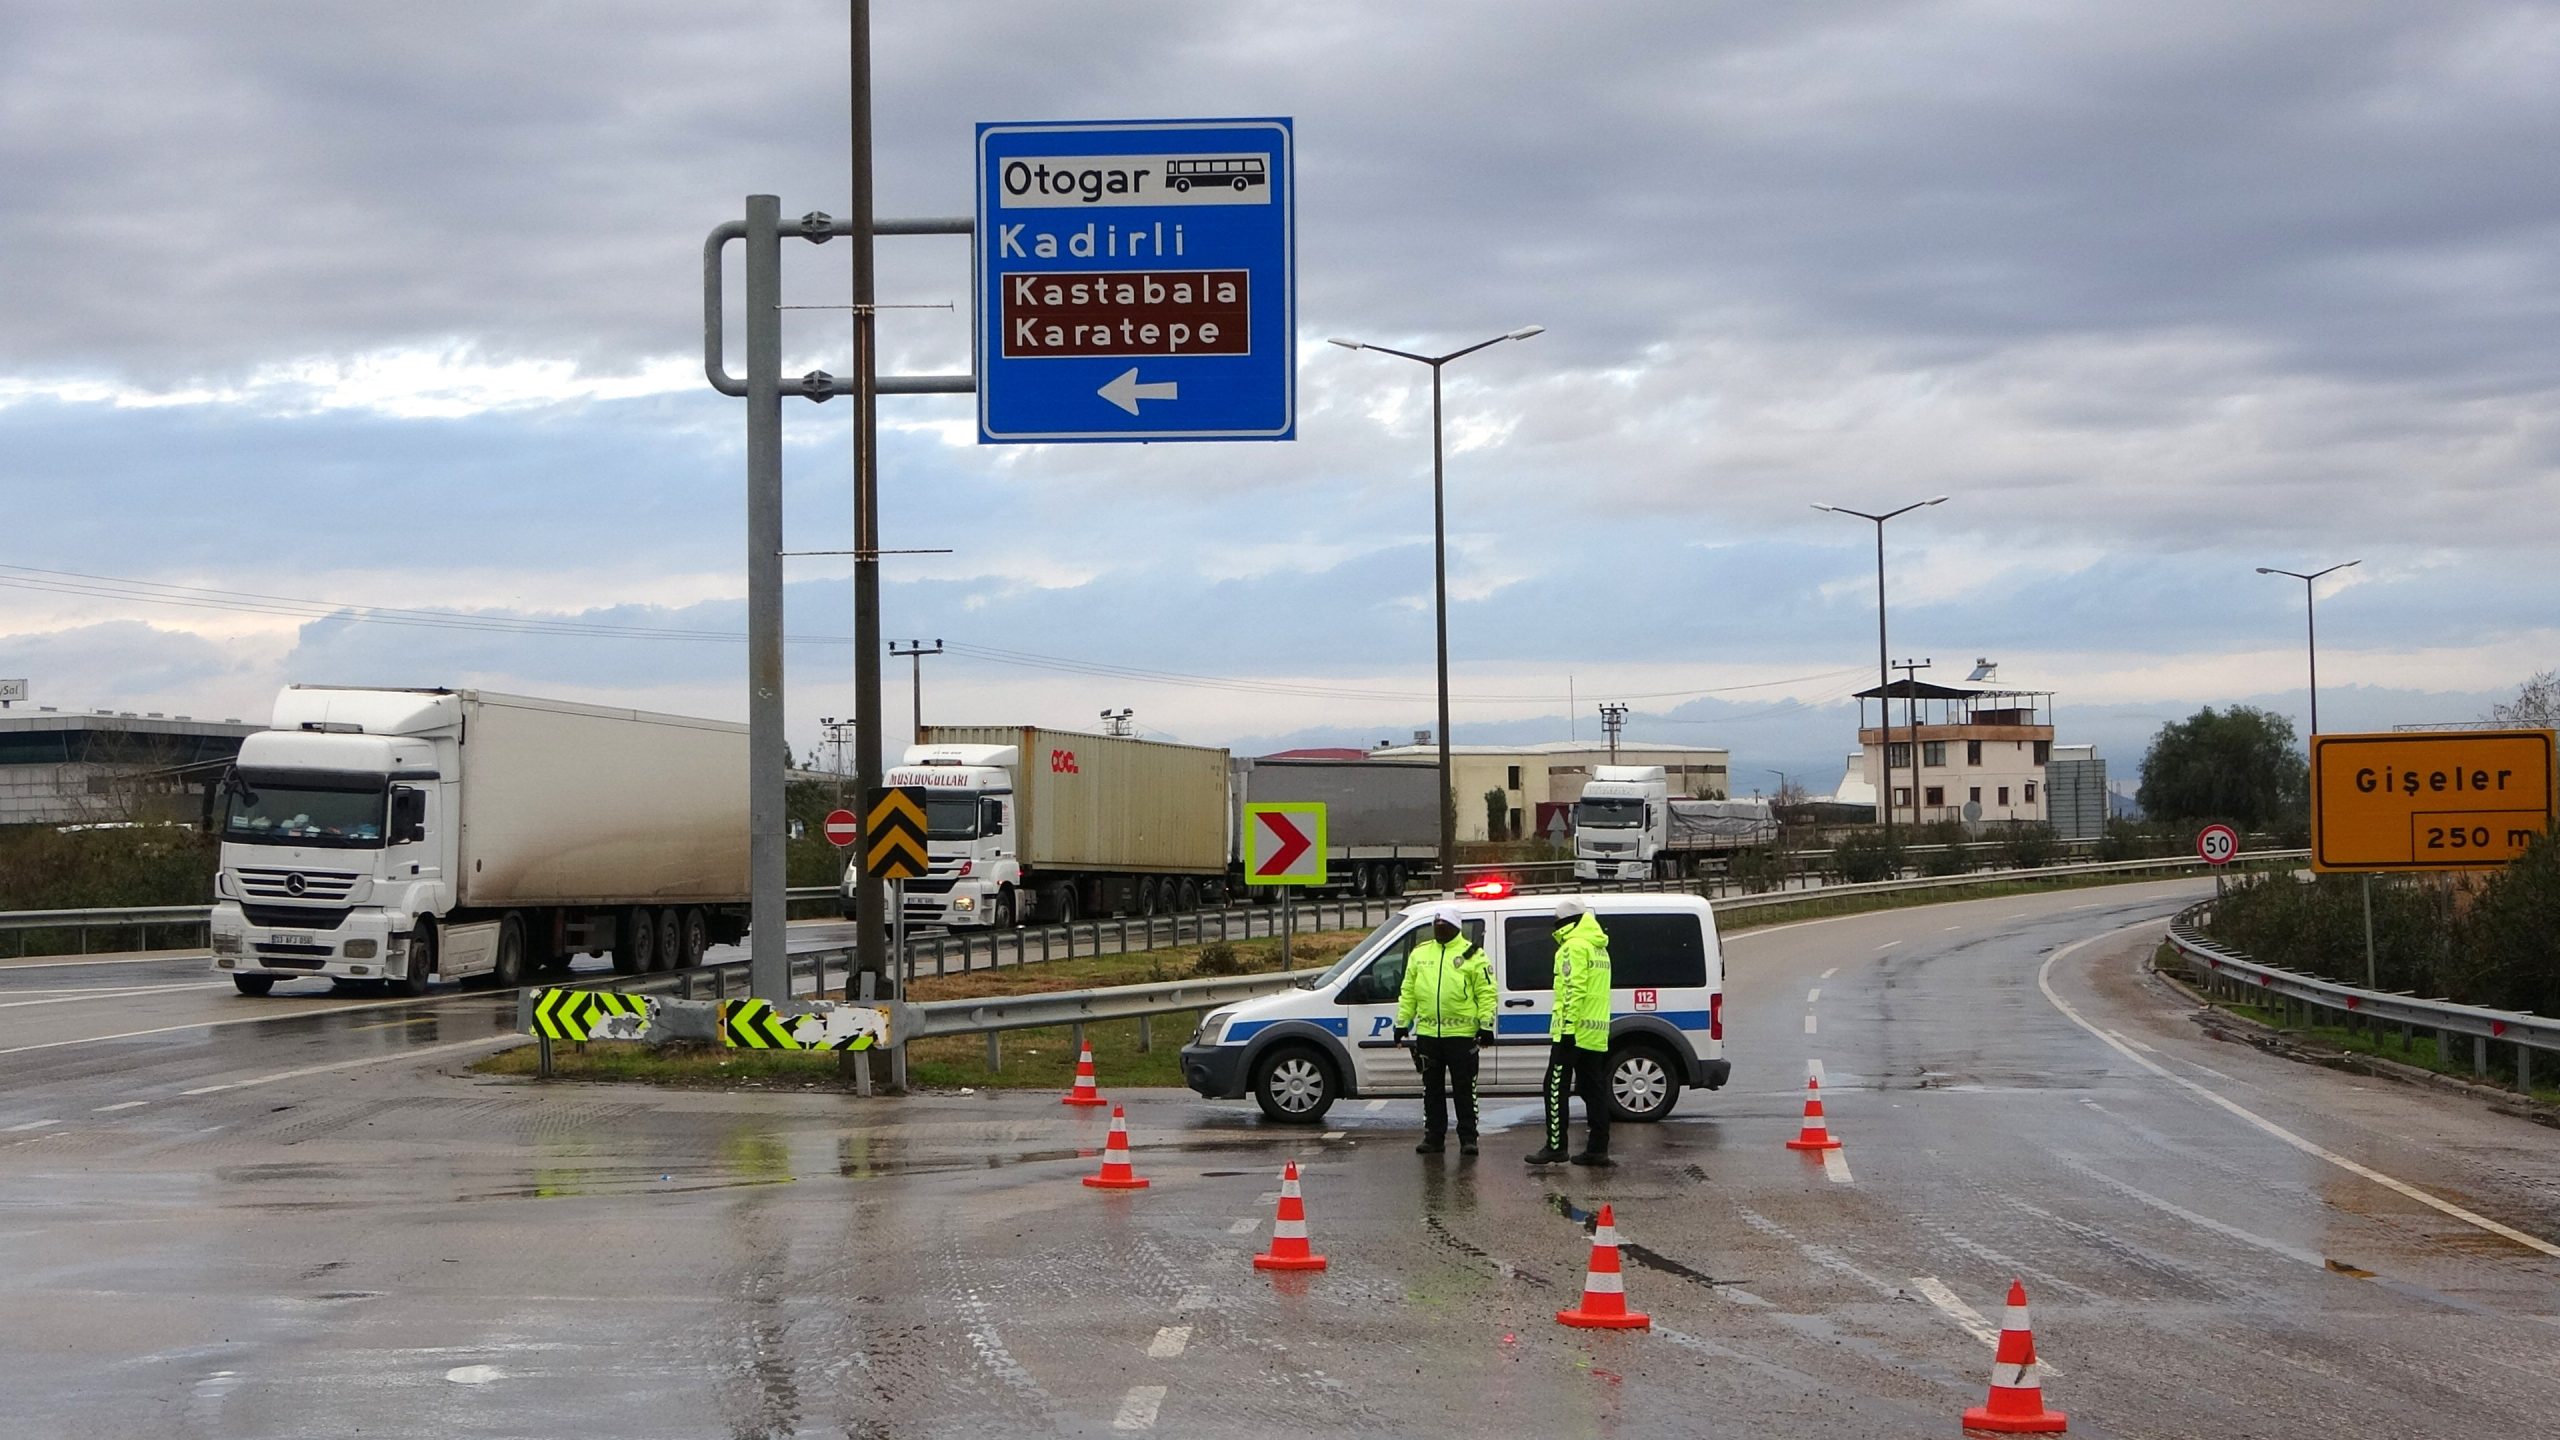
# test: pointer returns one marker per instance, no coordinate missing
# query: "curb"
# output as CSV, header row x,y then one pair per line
x,y
2230,1027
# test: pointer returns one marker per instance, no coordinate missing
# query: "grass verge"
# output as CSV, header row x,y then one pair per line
x,y
2380,1042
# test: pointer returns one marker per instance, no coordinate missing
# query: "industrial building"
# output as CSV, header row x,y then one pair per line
x,y
103,766
1974,752
1541,782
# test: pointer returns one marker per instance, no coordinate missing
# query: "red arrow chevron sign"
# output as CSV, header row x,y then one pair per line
x,y
1284,844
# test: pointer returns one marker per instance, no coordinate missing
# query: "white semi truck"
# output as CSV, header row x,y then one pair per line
x,y
1027,824
1628,826
406,835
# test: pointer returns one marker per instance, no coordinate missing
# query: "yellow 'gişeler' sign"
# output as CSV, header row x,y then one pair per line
x,y
2429,800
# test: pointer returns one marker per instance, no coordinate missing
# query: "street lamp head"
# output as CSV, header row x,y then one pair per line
x,y
1832,509
2263,570
1940,500
1346,344
1525,331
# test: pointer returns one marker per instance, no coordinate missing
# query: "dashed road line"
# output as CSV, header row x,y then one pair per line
x,y
416,1054
1836,1165
1827,974
1808,1025
29,1125
122,1105
1889,944
1169,1342
1245,1226
1813,996
1937,1293
117,992
1375,1106
1138,1408
2044,982
1813,1071
1335,1134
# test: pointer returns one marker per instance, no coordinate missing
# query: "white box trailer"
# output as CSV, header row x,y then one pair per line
x,y
1024,822
406,834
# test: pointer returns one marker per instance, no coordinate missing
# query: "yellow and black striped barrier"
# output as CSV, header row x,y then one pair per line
x,y
583,1015
757,1025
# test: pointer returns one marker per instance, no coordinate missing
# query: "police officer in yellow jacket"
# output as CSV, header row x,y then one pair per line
x,y
1579,1060
1447,1004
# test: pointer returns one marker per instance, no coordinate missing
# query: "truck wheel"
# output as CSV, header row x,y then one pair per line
x,y
422,962
254,984
1187,897
508,971
670,940
1642,1085
697,938
1293,1084
1146,898
1004,909
635,942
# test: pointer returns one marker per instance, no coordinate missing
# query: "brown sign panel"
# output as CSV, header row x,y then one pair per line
x,y
1125,312
2429,800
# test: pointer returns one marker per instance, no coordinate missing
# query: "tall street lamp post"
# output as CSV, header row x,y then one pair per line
x,y
2311,626
1884,674
1440,580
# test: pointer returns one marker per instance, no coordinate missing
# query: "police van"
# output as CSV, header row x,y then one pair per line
x,y
1332,1037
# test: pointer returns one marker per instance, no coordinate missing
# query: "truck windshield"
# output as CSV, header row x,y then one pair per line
x,y
345,819
1608,814
951,817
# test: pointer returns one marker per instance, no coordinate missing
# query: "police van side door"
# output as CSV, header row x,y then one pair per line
x,y
1525,1005
1368,1004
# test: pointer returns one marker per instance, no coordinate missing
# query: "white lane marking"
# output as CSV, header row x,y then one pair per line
x,y
1835,1165
1808,1025
269,1017
1198,1297
1377,1105
126,1105
2092,905
2021,915
114,993
1827,974
1889,944
1138,1408
2136,1044
2205,1222
1169,1342
203,1090
1813,996
30,1125
417,1054
1245,1226
1334,1134
194,958
2044,982
1950,927
474,1374
1965,1315
1813,1068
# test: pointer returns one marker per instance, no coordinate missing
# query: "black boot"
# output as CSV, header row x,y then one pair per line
x,y
1431,1145
1547,1155
1597,1159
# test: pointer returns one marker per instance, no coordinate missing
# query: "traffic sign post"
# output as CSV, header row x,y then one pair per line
x,y
2429,800
842,828
1136,280
2217,844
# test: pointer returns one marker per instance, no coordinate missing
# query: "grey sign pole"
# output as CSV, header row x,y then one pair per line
x,y
870,912
768,750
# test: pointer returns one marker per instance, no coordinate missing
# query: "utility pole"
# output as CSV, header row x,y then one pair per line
x,y
871,937
836,729
914,656
1613,718
1911,715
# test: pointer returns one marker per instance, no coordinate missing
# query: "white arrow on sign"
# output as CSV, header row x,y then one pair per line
x,y
1126,392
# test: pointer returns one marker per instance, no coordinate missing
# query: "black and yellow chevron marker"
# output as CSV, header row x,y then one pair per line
x,y
582,1015
756,1025
893,833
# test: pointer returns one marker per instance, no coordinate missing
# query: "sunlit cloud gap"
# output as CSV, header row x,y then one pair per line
x,y
197,597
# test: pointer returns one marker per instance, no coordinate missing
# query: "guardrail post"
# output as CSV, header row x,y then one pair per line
x,y
941,952
1123,922
2524,1069
818,980
995,1052
2479,1057
542,1065
1044,946
720,984
1020,941
1078,1039
684,985
1147,1040
1071,939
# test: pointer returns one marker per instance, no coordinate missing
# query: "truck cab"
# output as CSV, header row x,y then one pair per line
x,y
1621,823
335,837
973,875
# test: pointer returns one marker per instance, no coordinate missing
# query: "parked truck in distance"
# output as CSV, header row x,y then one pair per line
x,y
407,835
1628,826
1026,824
1381,825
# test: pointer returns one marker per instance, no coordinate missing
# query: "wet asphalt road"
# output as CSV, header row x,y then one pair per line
x,y
335,1235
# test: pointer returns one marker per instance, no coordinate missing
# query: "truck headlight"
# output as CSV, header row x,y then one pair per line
x,y
226,942
964,902
360,949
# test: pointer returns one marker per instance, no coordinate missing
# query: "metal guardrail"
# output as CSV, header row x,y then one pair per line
x,y
2232,975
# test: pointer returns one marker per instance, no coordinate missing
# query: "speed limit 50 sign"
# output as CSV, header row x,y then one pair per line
x,y
2216,844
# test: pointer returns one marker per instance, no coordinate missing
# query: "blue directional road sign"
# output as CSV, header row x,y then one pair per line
x,y
1137,281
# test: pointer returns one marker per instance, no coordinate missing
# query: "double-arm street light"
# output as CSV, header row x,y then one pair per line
x,y
1884,674
2311,626
1440,580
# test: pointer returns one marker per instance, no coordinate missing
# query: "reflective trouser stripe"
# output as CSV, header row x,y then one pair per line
x,y
1559,1079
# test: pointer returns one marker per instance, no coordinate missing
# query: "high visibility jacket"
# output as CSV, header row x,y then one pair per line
x,y
1582,985
1448,990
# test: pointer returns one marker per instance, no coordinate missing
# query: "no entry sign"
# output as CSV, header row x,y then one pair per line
x,y
841,828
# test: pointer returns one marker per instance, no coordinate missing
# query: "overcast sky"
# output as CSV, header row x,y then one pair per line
x,y
400,307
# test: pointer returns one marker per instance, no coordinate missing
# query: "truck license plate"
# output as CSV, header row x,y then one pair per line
x,y
285,939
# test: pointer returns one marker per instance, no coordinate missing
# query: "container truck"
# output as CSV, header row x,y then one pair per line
x,y
1380,826
1023,823
406,835
1627,826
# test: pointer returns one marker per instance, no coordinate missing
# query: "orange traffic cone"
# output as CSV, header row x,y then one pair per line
x,y
1084,1093
1604,1289
1815,1135
1116,1174
2016,1406
1289,1231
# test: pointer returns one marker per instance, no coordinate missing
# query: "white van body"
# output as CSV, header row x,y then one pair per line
x,y
1300,1050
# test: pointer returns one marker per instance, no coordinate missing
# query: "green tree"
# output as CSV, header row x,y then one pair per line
x,y
2239,765
1497,815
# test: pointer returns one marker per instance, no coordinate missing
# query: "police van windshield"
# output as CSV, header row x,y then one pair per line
x,y
1359,954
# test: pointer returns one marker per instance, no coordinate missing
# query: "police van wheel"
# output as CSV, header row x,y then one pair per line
x,y
1642,1085
254,984
1293,1084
